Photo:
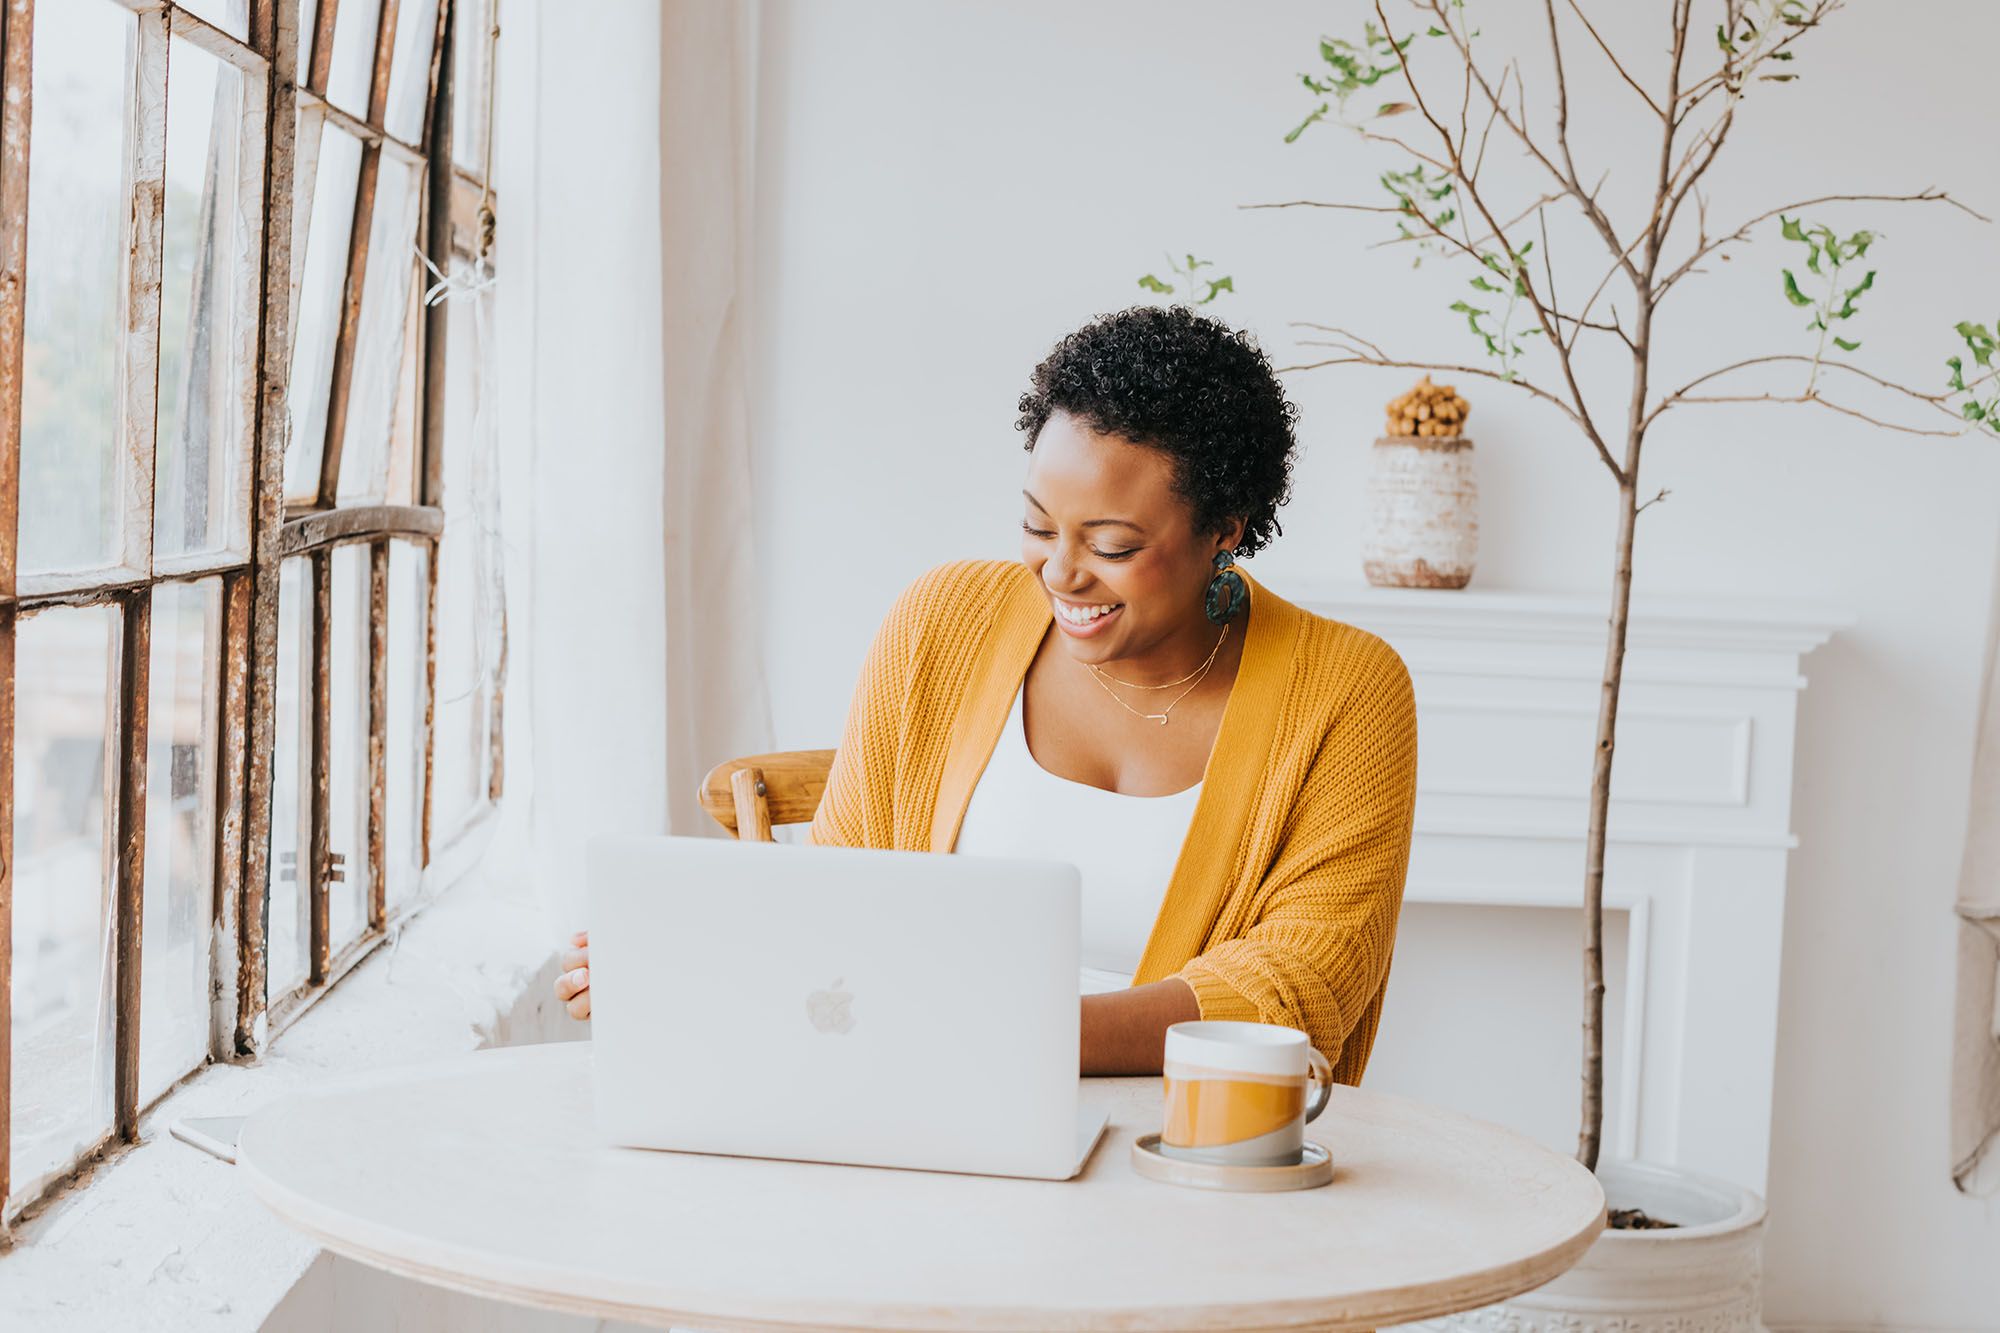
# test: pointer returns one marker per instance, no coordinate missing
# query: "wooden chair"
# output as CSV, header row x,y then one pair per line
x,y
747,796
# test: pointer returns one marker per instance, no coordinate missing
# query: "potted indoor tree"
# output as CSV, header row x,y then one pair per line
x,y
1682,1251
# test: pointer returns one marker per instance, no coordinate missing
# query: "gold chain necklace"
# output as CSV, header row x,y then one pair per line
x,y
1198,675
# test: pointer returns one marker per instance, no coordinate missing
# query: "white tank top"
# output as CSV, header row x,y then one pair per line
x,y
1123,846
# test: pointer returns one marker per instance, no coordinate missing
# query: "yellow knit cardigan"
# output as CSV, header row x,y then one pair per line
x,y
1282,906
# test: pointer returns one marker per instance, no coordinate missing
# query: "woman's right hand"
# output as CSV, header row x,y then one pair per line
x,y
573,982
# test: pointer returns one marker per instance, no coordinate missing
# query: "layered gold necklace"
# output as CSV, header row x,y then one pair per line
x,y
1197,675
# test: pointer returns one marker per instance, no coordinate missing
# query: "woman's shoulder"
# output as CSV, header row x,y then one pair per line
x,y
958,589
1343,662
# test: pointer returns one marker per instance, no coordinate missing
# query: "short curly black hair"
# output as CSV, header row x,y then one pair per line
x,y
1190,386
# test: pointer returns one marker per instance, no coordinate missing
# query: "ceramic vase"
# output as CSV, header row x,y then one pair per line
x,y
1423,512
1703,1276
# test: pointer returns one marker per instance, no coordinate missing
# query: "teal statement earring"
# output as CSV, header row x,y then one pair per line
x,y
1228,593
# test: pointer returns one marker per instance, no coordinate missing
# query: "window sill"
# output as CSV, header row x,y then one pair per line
x,y
164,1235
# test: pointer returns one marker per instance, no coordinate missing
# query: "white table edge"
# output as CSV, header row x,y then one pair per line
x,y
477,1277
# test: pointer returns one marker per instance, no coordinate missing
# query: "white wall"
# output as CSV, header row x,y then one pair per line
x,y
945,189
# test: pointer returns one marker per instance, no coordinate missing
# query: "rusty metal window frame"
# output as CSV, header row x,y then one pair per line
x,y
285,73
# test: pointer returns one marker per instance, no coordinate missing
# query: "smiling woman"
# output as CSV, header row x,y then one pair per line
x,y
1233,776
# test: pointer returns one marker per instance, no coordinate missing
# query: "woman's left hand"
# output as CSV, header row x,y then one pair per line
x,y
573,982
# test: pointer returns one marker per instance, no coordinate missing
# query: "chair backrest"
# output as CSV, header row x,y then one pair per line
x,y
749,795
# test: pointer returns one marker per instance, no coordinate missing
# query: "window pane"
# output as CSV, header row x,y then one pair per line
x,y
354,28
184,689
66,663
403,443
288,933
347,746
471,40
207,310
79,201
468,601
378,350
232,16
308,17
322,280
408,574
410,69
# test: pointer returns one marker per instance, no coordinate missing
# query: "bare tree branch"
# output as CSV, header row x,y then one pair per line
x,y
1615,62
1938,401
1364,353
1701,89
1930,194
1470,192
1816,397
1571,177
1587,202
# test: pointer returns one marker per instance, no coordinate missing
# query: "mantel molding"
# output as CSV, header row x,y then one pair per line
x,y
1569,618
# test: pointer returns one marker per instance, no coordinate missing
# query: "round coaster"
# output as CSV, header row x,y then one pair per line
x,y
1316,1168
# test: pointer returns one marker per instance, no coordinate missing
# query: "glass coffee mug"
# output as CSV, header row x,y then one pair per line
x,y
1236,1093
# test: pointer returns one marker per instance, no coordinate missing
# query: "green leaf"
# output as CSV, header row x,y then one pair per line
x,y
1194,263
1153,284
1777,78
1434,31
1444,218
1792,292
1320,114
1466,309
1812,260
1845,345
1847,303
1483,285
1722,39
1957,373
1860,241
1217,287
1978,340
1973,411
1792,232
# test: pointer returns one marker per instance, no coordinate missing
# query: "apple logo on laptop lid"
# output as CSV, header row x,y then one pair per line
x,y
828,1009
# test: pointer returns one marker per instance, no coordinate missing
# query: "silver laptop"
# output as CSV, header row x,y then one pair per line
x,y
837,1005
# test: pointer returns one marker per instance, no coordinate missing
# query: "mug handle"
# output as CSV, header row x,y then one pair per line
x,y
1322,1073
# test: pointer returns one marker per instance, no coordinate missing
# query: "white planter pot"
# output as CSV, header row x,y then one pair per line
x,y
1704,1276
1423,513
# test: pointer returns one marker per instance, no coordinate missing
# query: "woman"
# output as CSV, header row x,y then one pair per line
x,y
1233,776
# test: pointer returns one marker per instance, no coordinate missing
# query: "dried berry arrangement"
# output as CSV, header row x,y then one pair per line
x,y
1428,409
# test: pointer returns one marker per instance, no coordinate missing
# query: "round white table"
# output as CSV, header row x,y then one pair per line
x,y
484,1174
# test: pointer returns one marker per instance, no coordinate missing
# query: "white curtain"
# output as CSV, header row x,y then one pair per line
x,y
717,703
1975,1075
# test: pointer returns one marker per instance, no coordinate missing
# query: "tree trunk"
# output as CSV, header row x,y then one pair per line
x,y
1600,806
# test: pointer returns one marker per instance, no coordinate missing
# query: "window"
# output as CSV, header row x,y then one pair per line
x,y
252,637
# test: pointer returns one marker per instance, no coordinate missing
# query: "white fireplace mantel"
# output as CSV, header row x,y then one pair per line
x,y
1507,691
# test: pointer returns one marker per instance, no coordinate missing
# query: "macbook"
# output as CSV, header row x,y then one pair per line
x,y
900,1009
